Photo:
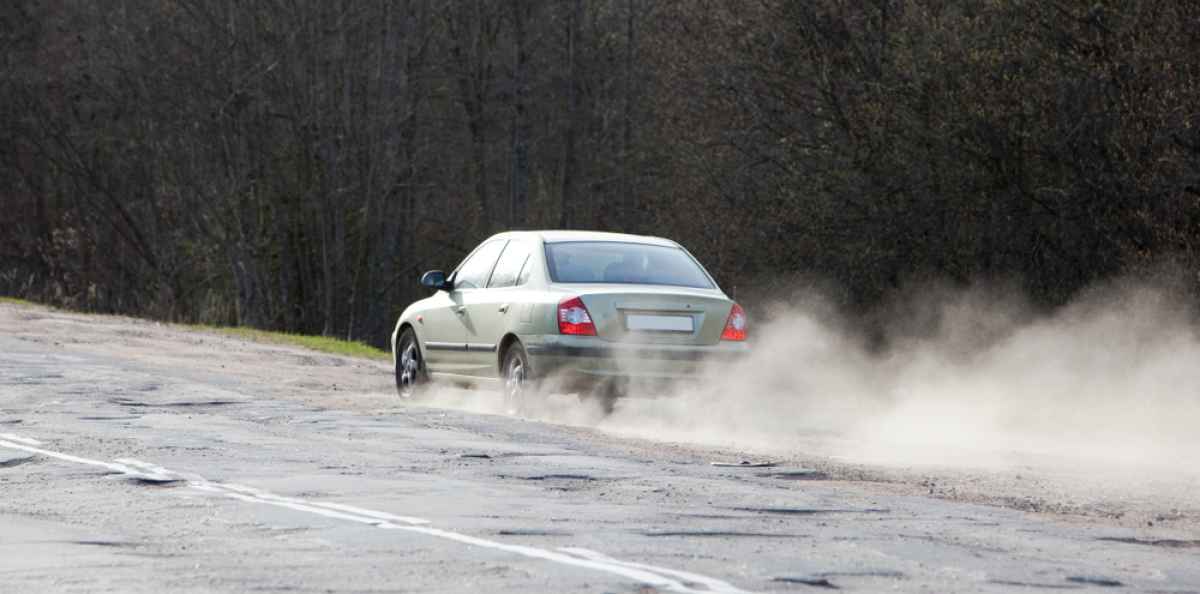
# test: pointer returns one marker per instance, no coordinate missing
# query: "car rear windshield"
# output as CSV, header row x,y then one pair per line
x,y
619,262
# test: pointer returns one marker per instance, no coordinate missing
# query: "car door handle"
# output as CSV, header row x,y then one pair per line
x,y
504,308
460,310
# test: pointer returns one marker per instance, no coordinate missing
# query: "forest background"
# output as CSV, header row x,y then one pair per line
x,y
296,164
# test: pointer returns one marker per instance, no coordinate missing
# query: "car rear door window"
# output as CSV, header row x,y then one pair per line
x,y
624,263
508,268
473,273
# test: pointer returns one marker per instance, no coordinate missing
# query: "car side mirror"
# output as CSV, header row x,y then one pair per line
x,y
435,279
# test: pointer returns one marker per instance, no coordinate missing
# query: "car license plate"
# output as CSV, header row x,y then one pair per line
x,y
652,323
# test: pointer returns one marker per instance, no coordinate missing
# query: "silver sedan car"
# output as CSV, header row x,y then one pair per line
x,y
594,310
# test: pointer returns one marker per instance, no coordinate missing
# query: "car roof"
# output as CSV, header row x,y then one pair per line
x,y
560,236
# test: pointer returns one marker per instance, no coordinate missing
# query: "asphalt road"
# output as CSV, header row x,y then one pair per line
x,y
136,457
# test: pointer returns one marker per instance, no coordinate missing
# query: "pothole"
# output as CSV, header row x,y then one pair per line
x,y
1021,584
1169,543
718,534
799,511
522,532
1095,581
155,481
797,475
15,461
816,582
176,404
557,477
104,543
880,573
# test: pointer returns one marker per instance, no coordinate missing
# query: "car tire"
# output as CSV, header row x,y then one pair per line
x,y
411,376
518,386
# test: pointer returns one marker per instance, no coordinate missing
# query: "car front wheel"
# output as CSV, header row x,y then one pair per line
x,y
410,368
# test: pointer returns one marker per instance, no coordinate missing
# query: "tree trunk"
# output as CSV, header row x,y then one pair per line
x,y
626,200
570,173
519,199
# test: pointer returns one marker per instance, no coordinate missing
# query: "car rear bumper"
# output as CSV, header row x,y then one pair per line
x,y
584,357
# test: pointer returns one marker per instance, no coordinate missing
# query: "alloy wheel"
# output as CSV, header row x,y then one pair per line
x,y
514,384
408,368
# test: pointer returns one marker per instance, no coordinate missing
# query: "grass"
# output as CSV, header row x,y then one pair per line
x,y
15,301
323,344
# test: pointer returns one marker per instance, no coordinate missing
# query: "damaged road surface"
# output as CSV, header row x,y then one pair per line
x,y
141,458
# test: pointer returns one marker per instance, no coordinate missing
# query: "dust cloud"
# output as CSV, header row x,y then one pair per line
x,y
966,377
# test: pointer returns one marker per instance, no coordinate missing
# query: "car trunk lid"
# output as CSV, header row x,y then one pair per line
x,y
656,315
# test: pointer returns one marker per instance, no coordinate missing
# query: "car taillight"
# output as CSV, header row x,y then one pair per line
x,y
573,318
735,326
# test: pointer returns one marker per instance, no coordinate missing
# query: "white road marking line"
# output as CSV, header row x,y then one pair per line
x,y
271,497
642,576
24,440
220,490
198,481
121,468
374,514
659,577
714,585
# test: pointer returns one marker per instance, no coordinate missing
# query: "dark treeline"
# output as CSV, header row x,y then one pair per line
x,y
295,164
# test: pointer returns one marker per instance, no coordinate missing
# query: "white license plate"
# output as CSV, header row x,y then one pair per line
x,y
660,323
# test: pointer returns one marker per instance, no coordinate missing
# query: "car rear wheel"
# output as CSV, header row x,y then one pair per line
x,y
519,387
410,368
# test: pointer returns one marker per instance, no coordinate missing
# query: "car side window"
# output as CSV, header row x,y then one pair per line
x,y
508,269
475,270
